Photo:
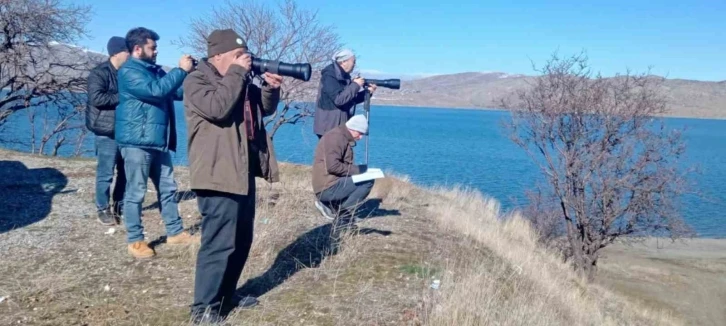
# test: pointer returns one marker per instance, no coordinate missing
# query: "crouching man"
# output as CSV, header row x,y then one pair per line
x,y
333,167
228,147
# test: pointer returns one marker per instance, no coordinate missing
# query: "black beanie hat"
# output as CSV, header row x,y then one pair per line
x,y
115,45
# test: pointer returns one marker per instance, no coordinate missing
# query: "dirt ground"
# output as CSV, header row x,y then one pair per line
x,y
685,277
59,266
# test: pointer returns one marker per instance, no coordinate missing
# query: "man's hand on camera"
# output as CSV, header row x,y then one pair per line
x,y
372,88
274,80
185,62
360,81
245,61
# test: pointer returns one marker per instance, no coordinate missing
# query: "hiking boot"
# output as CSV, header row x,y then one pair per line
x,y
183,238
106,217
141,250
324,210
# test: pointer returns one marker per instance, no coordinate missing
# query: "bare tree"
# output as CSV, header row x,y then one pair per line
x,y
286,33
61,123
609,164
37,68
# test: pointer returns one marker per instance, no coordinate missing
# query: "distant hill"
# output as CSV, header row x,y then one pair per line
x,y
472,90
69,53
687,98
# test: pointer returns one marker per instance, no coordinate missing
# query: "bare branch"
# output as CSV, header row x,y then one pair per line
x,y
38,69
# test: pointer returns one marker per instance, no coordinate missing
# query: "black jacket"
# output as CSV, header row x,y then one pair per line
x,y
337,96
102,99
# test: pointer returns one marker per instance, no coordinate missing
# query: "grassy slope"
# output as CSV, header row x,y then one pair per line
x,y
65,270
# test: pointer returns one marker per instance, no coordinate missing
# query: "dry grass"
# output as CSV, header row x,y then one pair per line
x,y
55,271
525,284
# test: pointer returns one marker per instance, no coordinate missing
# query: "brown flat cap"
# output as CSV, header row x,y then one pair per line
x,y
223,40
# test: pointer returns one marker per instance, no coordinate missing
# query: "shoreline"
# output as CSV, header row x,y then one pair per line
x,y
423,186
685,278
675,115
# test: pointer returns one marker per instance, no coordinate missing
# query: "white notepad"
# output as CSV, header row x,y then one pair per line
x,y
370,174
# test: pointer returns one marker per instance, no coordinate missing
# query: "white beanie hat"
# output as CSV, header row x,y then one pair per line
x,y
358,123
343,55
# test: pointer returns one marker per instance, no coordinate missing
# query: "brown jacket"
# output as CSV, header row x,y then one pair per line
x,y
219,154
333,158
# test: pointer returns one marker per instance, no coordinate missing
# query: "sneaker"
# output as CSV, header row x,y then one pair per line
x,y
106,217
183,238
141,250
324,210
245,301
208,318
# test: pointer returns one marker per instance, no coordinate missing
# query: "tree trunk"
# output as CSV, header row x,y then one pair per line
x,y
79,145
591,269
57,145
576,242
41,148
31,118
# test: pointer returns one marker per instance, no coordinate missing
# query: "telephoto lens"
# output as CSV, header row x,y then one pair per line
x,y
387,83
300,71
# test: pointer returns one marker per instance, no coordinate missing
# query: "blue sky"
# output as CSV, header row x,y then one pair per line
x,y
679,39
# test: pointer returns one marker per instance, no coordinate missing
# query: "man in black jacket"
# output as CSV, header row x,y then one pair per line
x,y
338,94
337,97
100,118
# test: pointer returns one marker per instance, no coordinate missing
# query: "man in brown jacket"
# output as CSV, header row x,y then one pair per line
x,y
228,148
333,166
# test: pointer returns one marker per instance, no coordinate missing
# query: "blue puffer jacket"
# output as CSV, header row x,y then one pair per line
x,y
145,113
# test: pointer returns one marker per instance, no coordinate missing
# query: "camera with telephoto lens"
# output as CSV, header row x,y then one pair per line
x,y
387,83
300,71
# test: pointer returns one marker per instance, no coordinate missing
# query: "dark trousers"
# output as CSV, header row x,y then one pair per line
x,y
227,229
344,197
109,159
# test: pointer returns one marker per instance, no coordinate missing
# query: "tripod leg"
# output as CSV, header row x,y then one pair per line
x,y
367,108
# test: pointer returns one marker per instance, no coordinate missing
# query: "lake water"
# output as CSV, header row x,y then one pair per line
x,y
468,147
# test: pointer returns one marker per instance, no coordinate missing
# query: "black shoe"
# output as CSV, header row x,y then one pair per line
x,y
118,213
106,217
207,318
239,302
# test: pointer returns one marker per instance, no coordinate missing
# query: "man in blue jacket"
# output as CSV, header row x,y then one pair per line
x,y
146,132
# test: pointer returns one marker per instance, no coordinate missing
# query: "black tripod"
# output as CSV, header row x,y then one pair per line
x,y
367,108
